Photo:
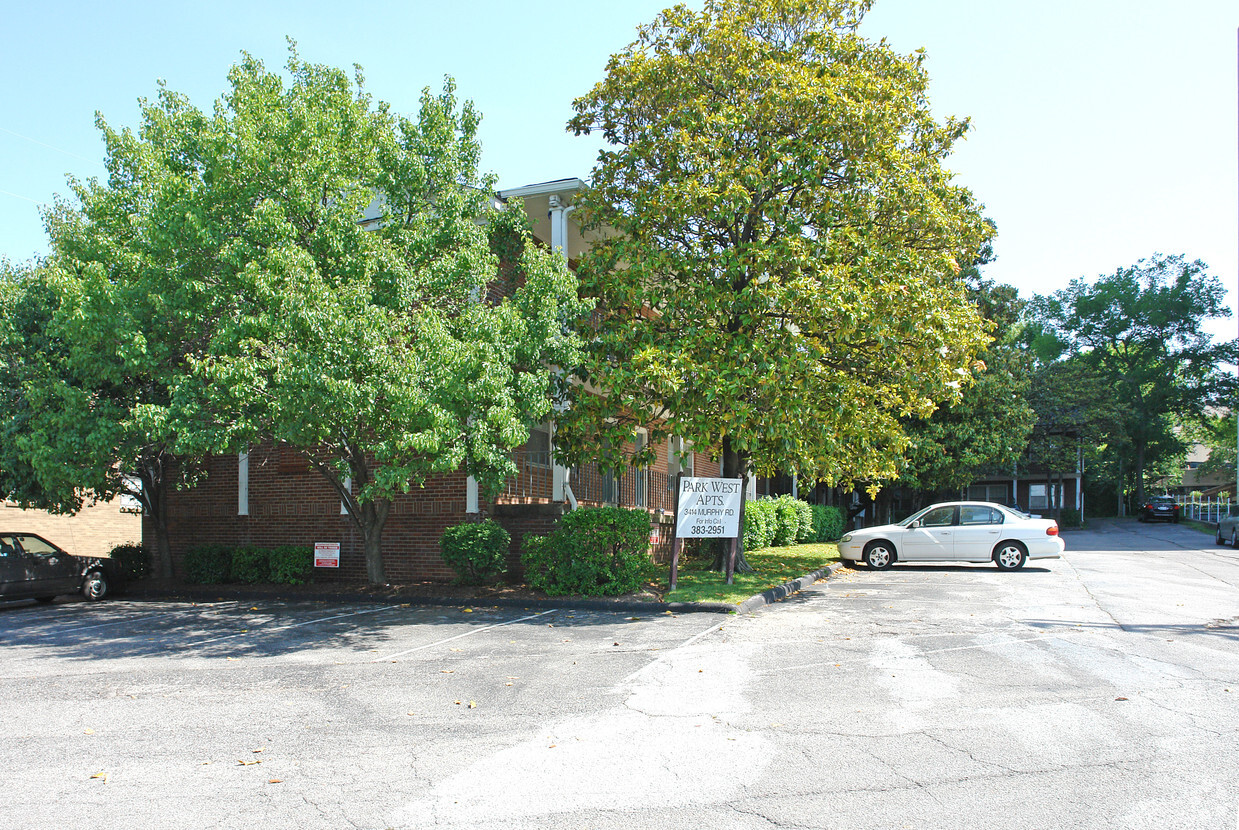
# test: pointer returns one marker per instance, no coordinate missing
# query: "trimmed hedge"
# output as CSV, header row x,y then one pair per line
x,y
594,551
291,564
477,552
250,565
787,524
217,564
208,564
828,523
760,524
131,561
784,521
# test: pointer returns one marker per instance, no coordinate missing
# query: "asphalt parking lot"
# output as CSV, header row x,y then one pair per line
x,y
183,712
1095,691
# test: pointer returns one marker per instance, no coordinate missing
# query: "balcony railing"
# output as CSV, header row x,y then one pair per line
x,y
635,487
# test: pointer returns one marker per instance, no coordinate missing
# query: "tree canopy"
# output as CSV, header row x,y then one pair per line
x,y
302,266
987,430
1142,331
776,267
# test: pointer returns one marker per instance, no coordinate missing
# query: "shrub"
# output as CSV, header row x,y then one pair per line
x,y
804,519
250,564
477,551
1069,517
291,564
787,522
131,561
828,523
208,564
759,524
594,551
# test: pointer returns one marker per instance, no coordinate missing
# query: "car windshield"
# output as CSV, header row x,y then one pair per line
x,y
1163,500
941,515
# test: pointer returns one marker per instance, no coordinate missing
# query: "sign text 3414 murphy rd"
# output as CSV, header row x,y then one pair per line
x,y
709,508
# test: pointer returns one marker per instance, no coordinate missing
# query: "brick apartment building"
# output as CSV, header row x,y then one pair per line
x,y
270,496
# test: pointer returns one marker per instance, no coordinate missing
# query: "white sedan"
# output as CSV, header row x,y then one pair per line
x,y
965,531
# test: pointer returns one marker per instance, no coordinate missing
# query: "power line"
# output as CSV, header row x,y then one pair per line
x,y
50,147
18,195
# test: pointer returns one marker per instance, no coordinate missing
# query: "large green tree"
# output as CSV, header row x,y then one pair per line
x,y
987,430
1143,331
1216,433
775,271
307,268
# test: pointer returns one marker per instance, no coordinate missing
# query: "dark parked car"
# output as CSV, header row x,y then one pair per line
x,y
1160,508
33,568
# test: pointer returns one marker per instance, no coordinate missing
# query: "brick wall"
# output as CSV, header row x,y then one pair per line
x,y
291,504
93,531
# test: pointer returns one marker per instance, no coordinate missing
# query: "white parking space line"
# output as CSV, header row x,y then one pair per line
x,y
388,658
266,630
125,621
669,652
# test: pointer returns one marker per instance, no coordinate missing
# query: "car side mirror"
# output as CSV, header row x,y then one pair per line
x,y
915,525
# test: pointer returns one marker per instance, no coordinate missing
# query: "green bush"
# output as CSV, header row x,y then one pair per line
x,y
787,522
208,564
804,518
250,564
759,524
291,564
594,551
131,561
477,552
828,523
1069,517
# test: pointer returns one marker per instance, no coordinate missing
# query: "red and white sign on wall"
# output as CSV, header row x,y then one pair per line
x,y
326,554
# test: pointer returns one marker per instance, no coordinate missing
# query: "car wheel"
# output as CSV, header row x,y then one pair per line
x,y
879,556
1010,556
96,586
1234,538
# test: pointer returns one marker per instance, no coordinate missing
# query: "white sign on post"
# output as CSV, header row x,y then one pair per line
x,y
709,508
326,554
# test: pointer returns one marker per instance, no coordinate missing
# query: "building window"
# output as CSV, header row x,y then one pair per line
x,y
679,457
997,493
638,473
1039,496
538,448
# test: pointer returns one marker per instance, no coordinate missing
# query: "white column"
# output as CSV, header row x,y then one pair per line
x,y
558,215
559,473
471,495
243,484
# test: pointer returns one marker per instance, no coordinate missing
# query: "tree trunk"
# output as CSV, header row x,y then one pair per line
x,y
153,499
1119,487
373,517
735,465
1139,475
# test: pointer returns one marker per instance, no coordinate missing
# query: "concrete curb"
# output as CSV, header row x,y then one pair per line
x,y
782,592
769,597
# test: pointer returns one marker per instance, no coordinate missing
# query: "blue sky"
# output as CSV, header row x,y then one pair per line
x,y
1104,130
